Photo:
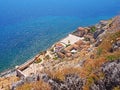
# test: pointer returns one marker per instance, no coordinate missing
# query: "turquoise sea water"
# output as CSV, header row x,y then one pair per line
x,y
30,26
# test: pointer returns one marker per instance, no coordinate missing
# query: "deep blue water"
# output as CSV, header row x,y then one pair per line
x,y
30,26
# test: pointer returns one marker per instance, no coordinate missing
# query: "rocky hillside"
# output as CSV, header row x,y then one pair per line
x,y
95,65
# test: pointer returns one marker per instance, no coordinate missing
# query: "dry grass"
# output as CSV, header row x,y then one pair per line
x,y
107,44
40,85
108,41
116,88
6,82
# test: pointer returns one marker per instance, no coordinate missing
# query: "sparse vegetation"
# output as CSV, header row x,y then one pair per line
x,y
92,29
112,57
87,39
39,85
47,57
116,88
38,60
68,45
6,82
55,58
99,51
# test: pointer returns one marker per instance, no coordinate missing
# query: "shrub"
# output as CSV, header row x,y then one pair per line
x,y
47,57
93,29
90,80
68,45
87,39
38,60
112,57
40,85
55,58
99,51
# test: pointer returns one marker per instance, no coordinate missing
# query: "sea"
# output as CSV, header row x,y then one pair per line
x,y
28,27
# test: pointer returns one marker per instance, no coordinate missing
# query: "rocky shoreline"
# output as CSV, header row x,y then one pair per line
x,y
87,59
8,73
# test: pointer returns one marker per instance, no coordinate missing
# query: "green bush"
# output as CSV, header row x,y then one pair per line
x,y
55,58
47,57
99,51
90,80
111,57
38,60
68,45
93,29
87,39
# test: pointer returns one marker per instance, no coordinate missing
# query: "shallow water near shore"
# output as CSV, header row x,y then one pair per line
x,y
36,27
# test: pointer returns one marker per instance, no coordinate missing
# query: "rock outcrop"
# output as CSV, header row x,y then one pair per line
x,y
111,79
115,24
71,82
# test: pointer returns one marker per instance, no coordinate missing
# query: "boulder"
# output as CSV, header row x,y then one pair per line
x,y
45,77
80,29
118,43
79,43
97,33
60,55
80,32
98,42
115,46
68,54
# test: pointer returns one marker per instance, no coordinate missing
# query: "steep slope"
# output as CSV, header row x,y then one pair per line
x,y
95,66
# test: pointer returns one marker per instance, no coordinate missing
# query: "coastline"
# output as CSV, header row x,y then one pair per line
x,y
79,55
12,70
7,73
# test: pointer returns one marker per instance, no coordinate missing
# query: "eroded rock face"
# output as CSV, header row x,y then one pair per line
x,y
115,25
115,46
97,33
112,76
71,82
